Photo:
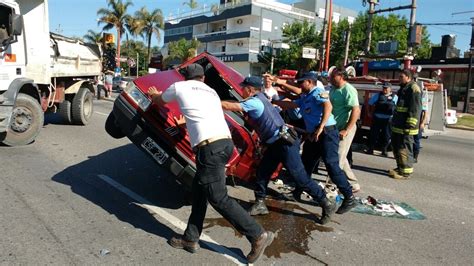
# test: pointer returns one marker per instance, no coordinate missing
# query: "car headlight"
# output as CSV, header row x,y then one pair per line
x,y
137,96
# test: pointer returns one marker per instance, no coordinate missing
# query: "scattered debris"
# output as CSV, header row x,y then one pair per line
x,y
104,252
373,206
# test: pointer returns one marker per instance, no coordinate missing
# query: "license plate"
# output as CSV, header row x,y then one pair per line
x,y
155,150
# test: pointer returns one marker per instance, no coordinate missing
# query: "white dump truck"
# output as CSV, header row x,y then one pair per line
x,y
41,71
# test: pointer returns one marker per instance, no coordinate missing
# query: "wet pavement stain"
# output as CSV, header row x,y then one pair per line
x,y
292,224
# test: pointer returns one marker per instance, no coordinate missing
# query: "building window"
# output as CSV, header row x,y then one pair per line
x,y
179,31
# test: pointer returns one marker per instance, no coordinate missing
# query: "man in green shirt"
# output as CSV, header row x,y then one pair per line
x,y
346,111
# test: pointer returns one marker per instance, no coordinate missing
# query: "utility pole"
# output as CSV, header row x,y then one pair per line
x,y
469,73
369,26
328,38
411,29
323,46
348,40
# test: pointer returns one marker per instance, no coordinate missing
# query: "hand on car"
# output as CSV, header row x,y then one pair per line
x,y
152,91
179,120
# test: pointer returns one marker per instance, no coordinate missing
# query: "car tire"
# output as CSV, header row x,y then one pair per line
x,y
26,121
82,107
111,127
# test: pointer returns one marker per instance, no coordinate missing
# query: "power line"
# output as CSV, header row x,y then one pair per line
x,y
446,24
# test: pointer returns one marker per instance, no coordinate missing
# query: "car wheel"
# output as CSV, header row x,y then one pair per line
x,y
111,127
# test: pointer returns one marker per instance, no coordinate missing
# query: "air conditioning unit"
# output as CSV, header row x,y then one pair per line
x,y
240,43
240,21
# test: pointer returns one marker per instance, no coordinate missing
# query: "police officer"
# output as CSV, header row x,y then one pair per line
x,y
405,124
323,136
269,125
383,104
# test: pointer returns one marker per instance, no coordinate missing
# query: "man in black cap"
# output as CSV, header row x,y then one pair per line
x,y
281,146
383,105
201,107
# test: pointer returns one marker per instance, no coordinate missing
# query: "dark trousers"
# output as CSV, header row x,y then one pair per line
x,y
289,155
327,148
417,143
209,185
380,131
403,152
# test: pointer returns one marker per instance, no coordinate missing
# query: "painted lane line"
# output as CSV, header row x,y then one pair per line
x,y
99,113
228,254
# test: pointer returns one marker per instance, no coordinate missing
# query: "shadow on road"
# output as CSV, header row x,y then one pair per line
x,y
129,167
376,171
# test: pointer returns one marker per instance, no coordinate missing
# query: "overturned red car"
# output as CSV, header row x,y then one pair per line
x,y
153,129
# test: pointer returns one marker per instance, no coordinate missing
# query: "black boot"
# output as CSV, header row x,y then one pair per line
x,y
415,157
347,204
329,207
258,208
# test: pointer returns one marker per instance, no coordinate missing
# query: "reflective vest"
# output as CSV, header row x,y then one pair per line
x,y
385,104
407,113
270,120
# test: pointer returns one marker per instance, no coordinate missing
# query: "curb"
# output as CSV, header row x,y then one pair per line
x,y
460,127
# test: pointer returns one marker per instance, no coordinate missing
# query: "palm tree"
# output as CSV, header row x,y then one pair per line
x,y
148,24
115,17
93,37
191,4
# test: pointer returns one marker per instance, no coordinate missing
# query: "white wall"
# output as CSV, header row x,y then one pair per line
x,y
242,67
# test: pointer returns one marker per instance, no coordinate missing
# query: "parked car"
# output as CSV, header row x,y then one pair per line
x,y
152,128
120,83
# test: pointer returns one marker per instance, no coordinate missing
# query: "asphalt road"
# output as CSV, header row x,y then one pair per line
x,y
77,196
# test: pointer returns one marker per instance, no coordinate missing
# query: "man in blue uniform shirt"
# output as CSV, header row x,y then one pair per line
x,y
384,105
270,127
323,136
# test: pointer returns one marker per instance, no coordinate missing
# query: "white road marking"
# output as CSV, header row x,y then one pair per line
x,y
99,113
228,254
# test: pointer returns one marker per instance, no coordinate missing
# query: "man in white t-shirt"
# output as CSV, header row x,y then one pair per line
x,y
211,142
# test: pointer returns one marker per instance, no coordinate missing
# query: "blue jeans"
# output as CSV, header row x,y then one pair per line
x,y
289,155
327,148
209,186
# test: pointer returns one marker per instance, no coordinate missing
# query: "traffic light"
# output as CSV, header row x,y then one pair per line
x,y
108,38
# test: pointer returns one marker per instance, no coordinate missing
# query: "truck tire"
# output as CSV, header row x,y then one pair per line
x,y
82,107
112,129
26,121
64,110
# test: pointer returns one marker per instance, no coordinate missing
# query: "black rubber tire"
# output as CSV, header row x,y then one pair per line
x,y
112,129
26,121
82,107
64,110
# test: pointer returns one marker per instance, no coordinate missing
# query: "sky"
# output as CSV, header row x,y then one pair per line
x,y
76,17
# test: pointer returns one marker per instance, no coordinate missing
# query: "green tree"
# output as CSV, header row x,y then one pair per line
x,y
93,37
115,17
297,35
149,24
132,48
182,50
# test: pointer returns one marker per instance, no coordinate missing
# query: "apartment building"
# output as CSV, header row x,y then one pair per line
x,y
236,31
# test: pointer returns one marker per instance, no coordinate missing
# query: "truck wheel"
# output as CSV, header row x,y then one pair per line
x,y
64,110
82,107
112,129
26,121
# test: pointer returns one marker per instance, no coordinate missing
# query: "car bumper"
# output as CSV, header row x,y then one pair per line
x,y
132,124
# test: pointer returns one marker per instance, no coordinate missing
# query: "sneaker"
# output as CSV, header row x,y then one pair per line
x,y
369,151
258,208
384,154
347,205
329,207
179,242
259,245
